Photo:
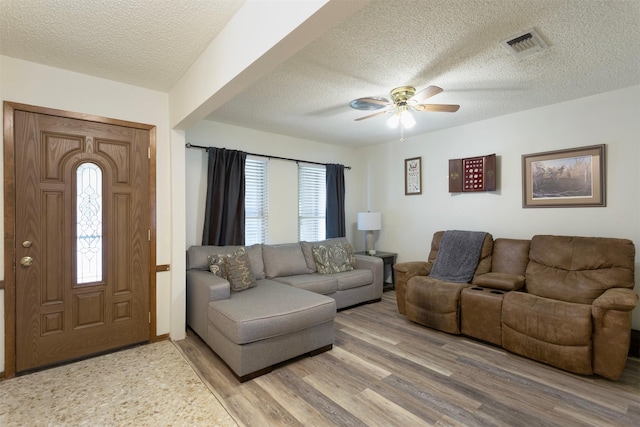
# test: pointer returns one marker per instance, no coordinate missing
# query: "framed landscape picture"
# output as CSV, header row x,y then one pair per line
x,y
565,178
413,176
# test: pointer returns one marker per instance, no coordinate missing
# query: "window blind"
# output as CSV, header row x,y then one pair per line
x,y
312,200
256,206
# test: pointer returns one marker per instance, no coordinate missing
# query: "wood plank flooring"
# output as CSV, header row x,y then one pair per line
x,y
386,371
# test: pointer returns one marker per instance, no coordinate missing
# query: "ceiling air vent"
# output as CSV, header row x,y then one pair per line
x,y
525,43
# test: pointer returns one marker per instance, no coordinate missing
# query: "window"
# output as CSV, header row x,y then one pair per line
x,y
312,201
88,223
256,204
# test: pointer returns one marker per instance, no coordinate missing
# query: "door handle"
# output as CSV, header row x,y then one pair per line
x,y
26,261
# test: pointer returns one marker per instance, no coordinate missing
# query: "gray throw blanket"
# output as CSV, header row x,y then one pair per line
x,y
458,256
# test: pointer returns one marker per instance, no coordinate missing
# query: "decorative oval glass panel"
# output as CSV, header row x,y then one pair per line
x,y
89,215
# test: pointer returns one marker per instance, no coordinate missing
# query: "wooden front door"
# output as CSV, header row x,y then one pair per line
x,y
81,238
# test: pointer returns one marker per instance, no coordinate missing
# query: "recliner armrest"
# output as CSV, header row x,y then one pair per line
x,y
501,281
413,268
611,313
621,299
404,272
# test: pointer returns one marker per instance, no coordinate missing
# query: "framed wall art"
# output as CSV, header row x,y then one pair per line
x,y
565,178
413,176
472,174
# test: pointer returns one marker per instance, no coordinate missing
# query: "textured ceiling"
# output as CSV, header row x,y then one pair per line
x,y
147,43
594,47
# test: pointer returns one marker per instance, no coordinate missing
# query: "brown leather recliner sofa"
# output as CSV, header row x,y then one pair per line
x,y
562,300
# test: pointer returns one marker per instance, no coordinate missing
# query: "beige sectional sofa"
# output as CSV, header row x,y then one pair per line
x,y
287,313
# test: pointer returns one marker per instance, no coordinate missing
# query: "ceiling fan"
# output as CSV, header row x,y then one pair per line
x,y
403,100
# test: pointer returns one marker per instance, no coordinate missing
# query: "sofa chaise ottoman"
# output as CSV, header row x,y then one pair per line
x,y
253,331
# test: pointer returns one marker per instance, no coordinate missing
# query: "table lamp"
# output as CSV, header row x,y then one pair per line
x,y
370,221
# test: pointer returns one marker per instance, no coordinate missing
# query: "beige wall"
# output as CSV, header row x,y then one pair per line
x,y
35,84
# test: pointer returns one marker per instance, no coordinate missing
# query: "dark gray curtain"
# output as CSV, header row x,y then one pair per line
x,y
335,217
224,211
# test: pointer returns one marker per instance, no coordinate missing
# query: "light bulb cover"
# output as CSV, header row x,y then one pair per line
x,y
407,120
394,121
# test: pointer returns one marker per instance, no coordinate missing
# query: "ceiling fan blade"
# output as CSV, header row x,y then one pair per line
x,y
379,113
440,108
369,103
427,93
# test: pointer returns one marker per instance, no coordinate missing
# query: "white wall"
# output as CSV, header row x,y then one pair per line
x,y
409,221
39,85
283,177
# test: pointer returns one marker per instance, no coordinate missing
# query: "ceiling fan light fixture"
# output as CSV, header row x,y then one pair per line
x,y
394,120
407,120
402,117
404,100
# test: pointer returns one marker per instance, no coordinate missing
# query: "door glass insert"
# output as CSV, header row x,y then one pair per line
x,y
89,223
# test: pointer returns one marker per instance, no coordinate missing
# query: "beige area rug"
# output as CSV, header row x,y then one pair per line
x,y
150,385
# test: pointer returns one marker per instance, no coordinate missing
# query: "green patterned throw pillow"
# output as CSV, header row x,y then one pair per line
x,y
333,258
239,273
216,262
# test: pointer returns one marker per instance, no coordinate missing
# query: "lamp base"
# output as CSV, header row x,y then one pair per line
x,y
370,244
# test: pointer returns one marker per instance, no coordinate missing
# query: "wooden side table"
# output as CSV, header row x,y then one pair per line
x,y
388,258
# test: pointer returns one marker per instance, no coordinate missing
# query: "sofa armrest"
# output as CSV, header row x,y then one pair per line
x,y
202,288
501,281
611,313
405,271
413,268
621,299
376,266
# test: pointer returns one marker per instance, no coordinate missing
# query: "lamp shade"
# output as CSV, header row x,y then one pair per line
x,y
369,221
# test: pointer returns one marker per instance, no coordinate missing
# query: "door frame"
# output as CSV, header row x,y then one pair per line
x,y
9,109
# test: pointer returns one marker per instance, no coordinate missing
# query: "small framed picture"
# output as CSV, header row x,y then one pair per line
x,y
566,178
413,176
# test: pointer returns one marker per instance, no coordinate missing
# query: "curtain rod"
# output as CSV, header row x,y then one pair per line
x,y
189,145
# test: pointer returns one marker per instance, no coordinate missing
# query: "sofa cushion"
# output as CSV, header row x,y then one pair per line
x,y
270,309
354,279
551,331
239,272
284,260
307,249
333,258
578,269
324,284
434,303
548,320
510,256
197,257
